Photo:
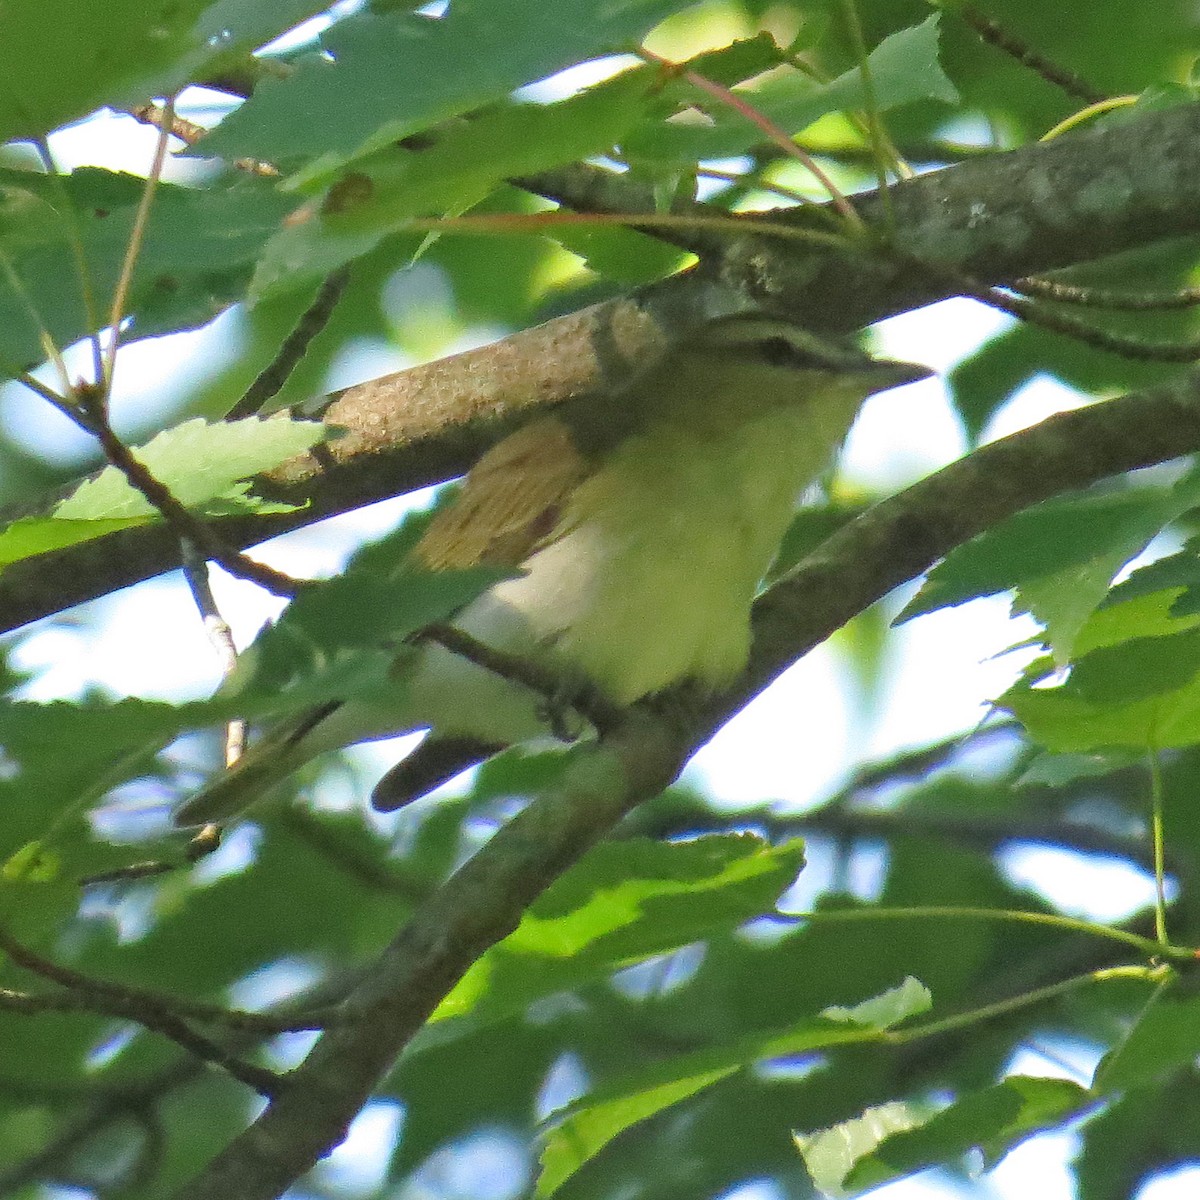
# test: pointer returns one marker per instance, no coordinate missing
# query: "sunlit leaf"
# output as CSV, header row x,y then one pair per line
x,y
622,903
904,69
993,1119
386,75
586,1127
831,1154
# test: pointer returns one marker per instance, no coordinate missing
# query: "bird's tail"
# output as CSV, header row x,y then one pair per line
x,y
434,762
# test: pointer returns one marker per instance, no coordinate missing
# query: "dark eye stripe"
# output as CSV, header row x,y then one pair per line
x,y
779,352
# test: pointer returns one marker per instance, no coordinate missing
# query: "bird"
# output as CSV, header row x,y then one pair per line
x,y
638,540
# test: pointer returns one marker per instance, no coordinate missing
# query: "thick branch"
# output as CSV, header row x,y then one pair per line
x,y
1083,196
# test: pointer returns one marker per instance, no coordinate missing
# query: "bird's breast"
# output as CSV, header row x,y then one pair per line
x,y
650,577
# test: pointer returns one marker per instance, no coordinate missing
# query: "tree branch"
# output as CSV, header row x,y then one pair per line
x,y
1092,193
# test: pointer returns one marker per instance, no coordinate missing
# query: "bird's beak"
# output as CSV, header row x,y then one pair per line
x,y
887,373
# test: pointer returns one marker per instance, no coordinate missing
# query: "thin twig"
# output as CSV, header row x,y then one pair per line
x,y
1158,841
164,117
777,136
132,249
146,869
876,133
87,992
195,571
190,133
185,526
49,395
208,839
131,1101
558,691
70,215
1092,297
1186,351
199,845
294,347
49,346
995,35
1112,104
753,181
1027,310
144,1008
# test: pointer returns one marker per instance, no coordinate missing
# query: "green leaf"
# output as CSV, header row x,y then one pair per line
x,y
1033,544
1151,615
62,757
622,256
199,248
337,640
201,464
831,1154
1140,667
140,49
39,535
1061,556
1064,723
1125,691
1138,1136
1059,770
811,525
993,1119
31,864
465,163
1176,572
383,76
583,1135
887,1009
624,902
1164,1039
742,59
587,1126
519,771
904,69
340,635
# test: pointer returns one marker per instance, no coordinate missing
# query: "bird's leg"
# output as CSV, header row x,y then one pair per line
x,y
679,704
571,697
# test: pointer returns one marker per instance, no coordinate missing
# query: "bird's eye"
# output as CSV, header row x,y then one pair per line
x,y
779,352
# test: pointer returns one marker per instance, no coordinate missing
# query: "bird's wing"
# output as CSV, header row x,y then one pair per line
x,y
511,500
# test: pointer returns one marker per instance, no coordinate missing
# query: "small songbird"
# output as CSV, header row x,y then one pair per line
x,y
641,540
